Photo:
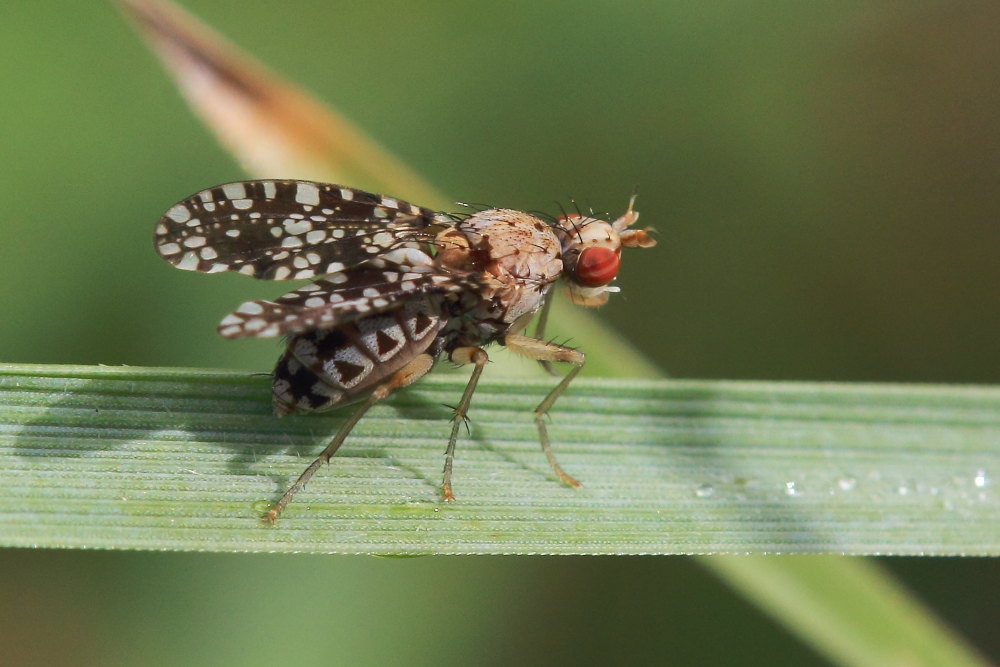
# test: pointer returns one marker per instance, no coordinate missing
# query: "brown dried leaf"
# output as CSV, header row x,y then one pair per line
x,y
272,127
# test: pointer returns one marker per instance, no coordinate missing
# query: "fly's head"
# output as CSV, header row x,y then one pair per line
x,y
591,252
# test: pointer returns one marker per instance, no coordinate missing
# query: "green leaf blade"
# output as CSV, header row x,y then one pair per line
x,y
178,459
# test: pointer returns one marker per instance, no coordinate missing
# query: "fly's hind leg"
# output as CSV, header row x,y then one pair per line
x,y
461,356
539,350
405,376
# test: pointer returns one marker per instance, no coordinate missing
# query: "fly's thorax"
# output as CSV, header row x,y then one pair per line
x,y
516,258
505,245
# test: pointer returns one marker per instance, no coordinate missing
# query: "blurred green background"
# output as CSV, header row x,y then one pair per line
x,y
823,177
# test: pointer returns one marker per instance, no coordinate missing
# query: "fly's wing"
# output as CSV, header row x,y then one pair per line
x,y
343,297
284,230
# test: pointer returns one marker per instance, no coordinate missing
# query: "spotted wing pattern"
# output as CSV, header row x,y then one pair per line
x,y
284,230
337,300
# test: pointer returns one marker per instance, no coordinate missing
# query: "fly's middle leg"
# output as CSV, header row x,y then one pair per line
x,y
542,351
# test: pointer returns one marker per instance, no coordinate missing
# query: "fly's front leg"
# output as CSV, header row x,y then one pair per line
x,y
541,351
543,318
407,375
461,356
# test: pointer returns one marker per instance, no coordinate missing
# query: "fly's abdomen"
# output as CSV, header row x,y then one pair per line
x,y
322,368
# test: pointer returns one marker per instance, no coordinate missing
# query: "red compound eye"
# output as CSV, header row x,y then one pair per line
x,y
597,266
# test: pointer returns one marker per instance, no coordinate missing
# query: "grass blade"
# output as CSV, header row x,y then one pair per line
x,y
173,459
851,610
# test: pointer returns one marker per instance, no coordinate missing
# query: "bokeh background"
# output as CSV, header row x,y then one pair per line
x,y
823,177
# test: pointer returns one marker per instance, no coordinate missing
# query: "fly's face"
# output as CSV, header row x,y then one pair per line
x,y
591,253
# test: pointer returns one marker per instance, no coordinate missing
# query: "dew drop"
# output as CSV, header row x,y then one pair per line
x,y
705,491
847,483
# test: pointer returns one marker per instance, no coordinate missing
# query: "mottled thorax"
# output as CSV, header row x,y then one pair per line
x,y
516,255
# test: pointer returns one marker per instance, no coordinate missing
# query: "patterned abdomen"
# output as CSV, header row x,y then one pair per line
x,y
322,368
